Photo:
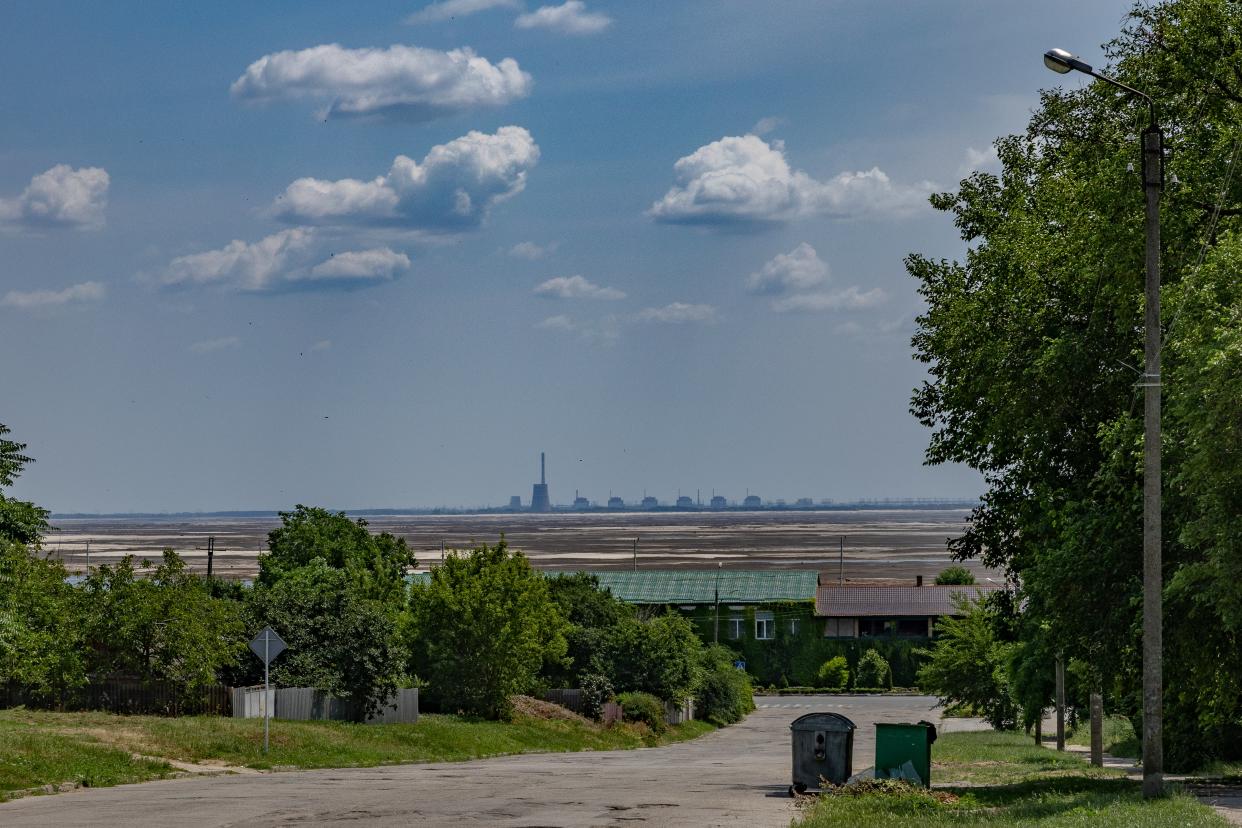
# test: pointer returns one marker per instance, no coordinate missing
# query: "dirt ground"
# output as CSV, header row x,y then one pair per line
x,y
877,543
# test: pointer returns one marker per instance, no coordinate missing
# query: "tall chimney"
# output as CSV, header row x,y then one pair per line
x,y
542,478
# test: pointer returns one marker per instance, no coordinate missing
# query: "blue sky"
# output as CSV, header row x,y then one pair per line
x,y
383,254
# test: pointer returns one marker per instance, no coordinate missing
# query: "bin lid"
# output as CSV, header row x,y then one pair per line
x,y
823,721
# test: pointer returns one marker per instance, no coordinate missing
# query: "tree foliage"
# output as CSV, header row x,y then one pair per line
x,y
40,637
724,694
377,564
1030,344
955,575
480,629
873,671
166,626
20,521
970,666
659,656
340,640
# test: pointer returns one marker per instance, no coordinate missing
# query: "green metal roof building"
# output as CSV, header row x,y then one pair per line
x,y
738,586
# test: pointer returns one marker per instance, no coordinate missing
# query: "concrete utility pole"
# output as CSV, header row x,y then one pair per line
x,y
1097,730
1060,702
716,634
1061,61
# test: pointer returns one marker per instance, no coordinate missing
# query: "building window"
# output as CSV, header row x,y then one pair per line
x,y
765,626
793,626
735,626
839,628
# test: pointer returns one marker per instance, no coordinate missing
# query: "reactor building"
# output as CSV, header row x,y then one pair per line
x,y
539,500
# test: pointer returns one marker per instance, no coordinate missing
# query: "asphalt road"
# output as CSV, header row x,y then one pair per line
x,y
736,776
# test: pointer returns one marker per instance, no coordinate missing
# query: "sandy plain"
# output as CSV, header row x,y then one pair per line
x,y
878,543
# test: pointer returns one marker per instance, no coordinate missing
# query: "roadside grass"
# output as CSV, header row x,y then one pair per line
x,y
990,778
32,757
68,745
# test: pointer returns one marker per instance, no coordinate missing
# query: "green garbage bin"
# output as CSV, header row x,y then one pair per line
x,y
897,744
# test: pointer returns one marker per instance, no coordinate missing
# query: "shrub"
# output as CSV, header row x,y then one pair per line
x,y
873,671
834,673
644,708
596,692
660,656
955,575
724,695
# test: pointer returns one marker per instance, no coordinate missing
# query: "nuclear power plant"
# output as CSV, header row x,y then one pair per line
x,y
539,500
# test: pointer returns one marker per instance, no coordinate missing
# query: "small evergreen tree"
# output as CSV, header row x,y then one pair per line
x,y
873,671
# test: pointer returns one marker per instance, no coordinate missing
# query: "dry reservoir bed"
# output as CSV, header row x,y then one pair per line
x,y
878,543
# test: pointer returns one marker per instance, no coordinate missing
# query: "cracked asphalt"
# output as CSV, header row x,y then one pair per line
x,y
737,776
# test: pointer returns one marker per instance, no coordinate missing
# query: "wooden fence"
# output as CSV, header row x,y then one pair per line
x,y
127,695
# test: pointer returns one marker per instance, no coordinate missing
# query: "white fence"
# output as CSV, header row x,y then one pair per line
x,y
308,704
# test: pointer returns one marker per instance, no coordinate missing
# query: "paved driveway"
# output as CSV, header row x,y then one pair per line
x,y
736,776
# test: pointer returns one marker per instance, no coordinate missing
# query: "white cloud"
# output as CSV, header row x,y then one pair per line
x,y
765,125
36,299
60,197
452,189
380,264
679,312
282,261
747,181
851,298
401,81
560,322
321,345
448,9
798,270
576,287
984,160
568,18
531,251
206,346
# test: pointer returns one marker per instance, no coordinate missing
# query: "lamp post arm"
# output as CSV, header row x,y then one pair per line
x,y
1151,104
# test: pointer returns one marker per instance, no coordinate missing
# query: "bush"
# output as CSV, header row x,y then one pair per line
x,y
834,673
873,671
479,631
644,708
660,656
955,575
724,695
596,692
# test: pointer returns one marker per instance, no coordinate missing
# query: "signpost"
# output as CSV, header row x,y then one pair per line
x,y
267,645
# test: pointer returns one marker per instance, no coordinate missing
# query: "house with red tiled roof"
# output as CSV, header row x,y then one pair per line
x,y
860,610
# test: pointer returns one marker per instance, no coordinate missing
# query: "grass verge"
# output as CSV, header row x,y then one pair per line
x,y
1118,733
991,778
39,748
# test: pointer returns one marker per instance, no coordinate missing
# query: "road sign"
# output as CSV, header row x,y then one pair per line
x,y
739,664
267,645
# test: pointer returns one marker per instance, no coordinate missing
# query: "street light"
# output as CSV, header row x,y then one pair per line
x,y
1062,62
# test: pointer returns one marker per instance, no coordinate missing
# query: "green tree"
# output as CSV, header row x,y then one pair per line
x,y
955,575
724,694
833,673
591,614
481,628
40,625
376,563
340,640
969,665
1030,342
20,521
166,627
660,656
873,671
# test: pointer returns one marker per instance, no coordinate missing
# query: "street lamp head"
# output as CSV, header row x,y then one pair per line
x,y
1062,62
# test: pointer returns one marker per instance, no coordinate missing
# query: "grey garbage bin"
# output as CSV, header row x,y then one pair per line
x,y
823,746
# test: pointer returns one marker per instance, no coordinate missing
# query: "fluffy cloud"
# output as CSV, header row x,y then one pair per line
x,y
568,18
984,160
560,322
366,265
401,81
60,197
798,270
851,298
678,313
531,251
576,287
448,9
36,299
283,261
765,125
747,181
452,189
206,346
